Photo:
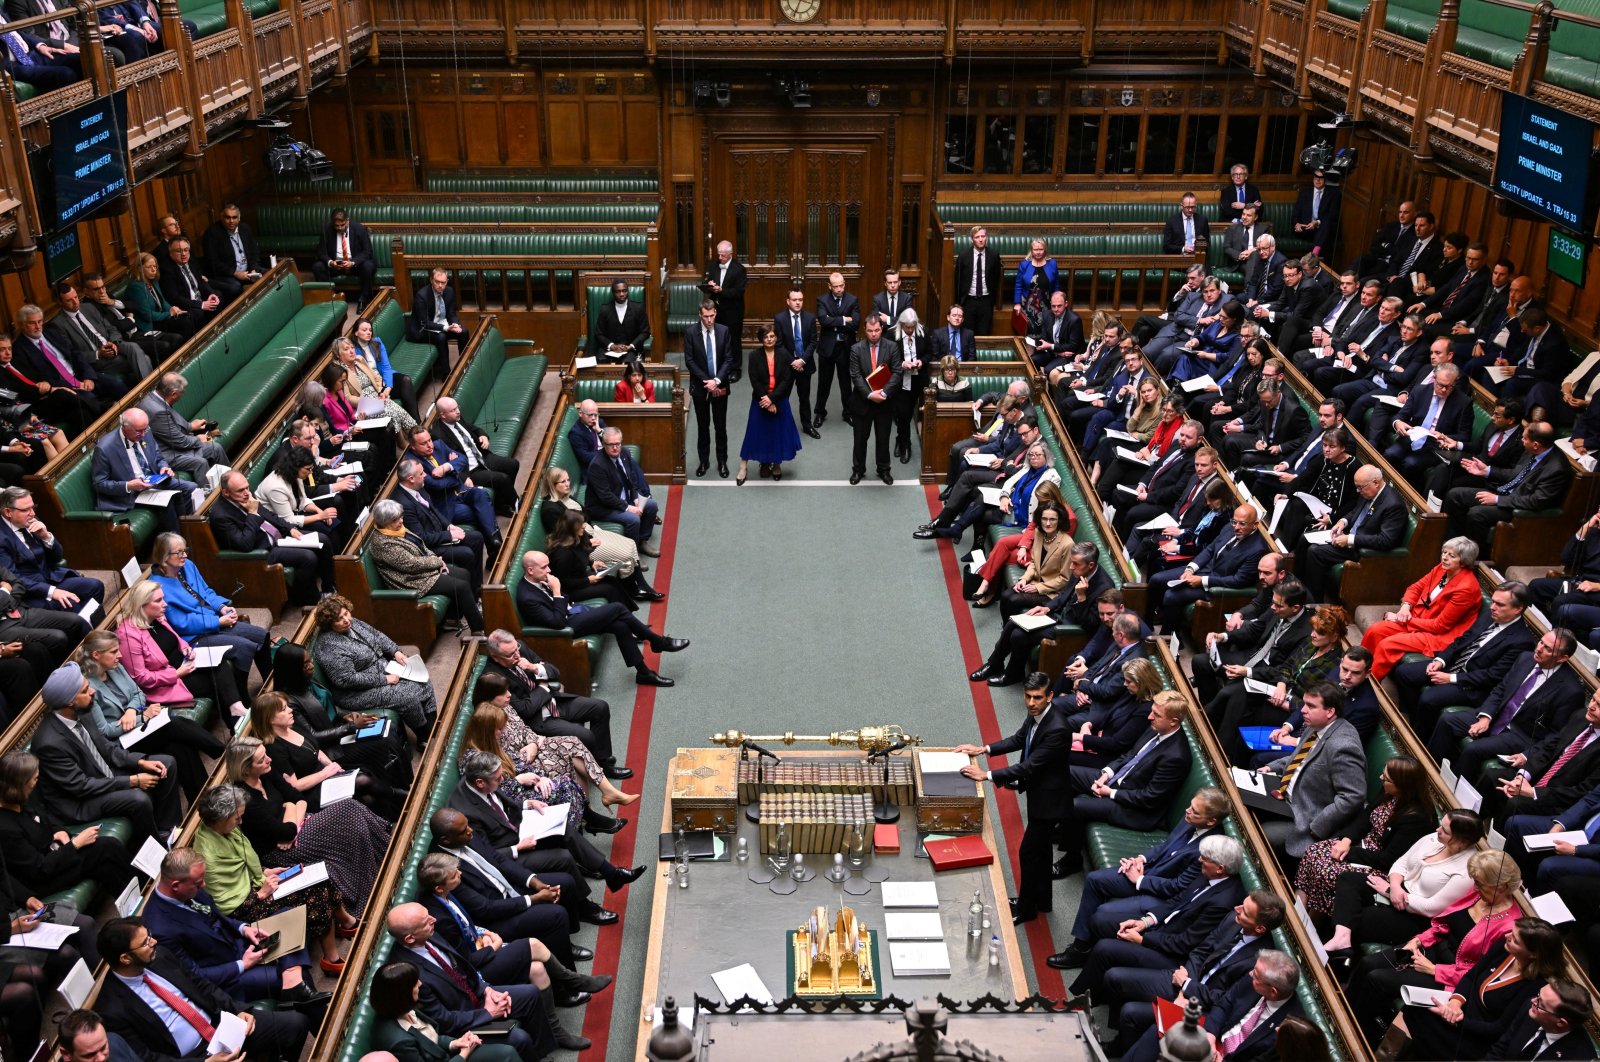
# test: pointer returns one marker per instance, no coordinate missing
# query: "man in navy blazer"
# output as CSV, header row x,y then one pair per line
x,y
345,249
183,916
127,461
435,317
1187,231
1100,682
1538,481
1535,699
1316,214
1159,873
1239,193
504,895
1464,671
1044,742
584,436
953,339
797,338
66,371
1229,562
451,488
1460,297
1375,522
711,354
34,555
1552,1027
1564,859
1444,411
619,493
460,546
1268,996
1164,932
454,995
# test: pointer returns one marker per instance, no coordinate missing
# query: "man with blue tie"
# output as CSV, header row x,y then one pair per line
x,y
1229,562
953,339
1538,481
711,355
619,493
797,337
1044,742
451,488
1160,873
1375,521
126,463
1431,416
34,555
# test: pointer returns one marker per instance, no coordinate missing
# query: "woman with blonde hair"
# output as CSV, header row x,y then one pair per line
x,y
611,547
362,381
1141,423
162,663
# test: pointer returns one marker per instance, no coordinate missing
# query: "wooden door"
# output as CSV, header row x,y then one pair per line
x,y
798,206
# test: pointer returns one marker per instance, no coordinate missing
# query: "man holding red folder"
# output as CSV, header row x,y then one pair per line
x,y
874,376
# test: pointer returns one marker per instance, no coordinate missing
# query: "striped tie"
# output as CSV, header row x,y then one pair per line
x,y
1570,751
1306,746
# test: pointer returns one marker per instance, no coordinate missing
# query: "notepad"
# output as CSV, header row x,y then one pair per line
x,y
537,825
943,762
210,655
1133,455
1417,996
145,729
339,787
980,460
1199,383
371,423
1249,781
904,925
920,895
1033,623
313,874
1536,841
921,958
412,669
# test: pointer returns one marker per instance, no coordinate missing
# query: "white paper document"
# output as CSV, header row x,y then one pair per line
x,y
1214,654
1249,781
356,447
1133,455
1278,506
229,1036
78,984
991,495
46,935
980,460
307,540
372,423
1160,523
1416,996
1318,507
1033,623
740,981
339,787
1417,434
1549,907
1319,538
1585,460
551,822
1087,396
1311,930
1467,796
1448,774
908,925
131,572
1257,686
369,406
977,562
346,468
210,655
585,363
147,860
921,895
1126,489
1122,436
88,610
131,898
922,958
313,874
146,728
1200,383
1388,400
1500,373
943,762
412,669
155,497
1537,841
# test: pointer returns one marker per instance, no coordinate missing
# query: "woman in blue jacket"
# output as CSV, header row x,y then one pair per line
x,y
200,615
371,350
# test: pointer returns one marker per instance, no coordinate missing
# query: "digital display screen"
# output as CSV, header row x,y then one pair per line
x,y
62,255
88,156
1566,257
1544,161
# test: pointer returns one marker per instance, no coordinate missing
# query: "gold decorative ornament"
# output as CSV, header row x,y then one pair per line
x,y
867,738
833,956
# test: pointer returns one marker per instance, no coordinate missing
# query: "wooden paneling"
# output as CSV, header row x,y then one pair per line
x,y
523,124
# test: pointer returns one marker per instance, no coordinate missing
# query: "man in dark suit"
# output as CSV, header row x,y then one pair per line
x,y
978,274
891,302
1075,604
1239,240
1159,873
1166,931
1496,335
1552,775
1552,1029
1543,362
584,436
1375,521
1265,640
455,997
435,316
621,328
797,338
240,523
1443,413
1083,693
1281,315
1263,274
486,468
953,339
1243,1026
345,249
838,319
75,399
1392,236
1316,214
1230,562
711,354
874,376
225,951
188,444
1187,231
1459,298
451,489
1538,481
1277,426
1422,254
1238,194
184,285
1319,788
81,329
35,558
724,285
1135,790
83,776
232,254
1224,959
1468,668
500,893
1058,334
554,713
618,492
461,547
1044,742
112,318
540,603
167,1010
1161,486
1328,313
1383,374
1546,866
1372,334
1535,699
126,462
1498,445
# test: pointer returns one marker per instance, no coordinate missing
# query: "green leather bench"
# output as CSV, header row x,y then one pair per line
x,y
208,16
994,354
683,306
296,227
342,181
604,390
467,184
406,356
382,591
1573,47
1336,574
1350,9
597,298
1492,34
497,391
1411,18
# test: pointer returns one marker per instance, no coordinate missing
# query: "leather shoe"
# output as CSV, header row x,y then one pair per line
x,y
924,533
722,469
618,879
599,916
1065,867
855,477
822,415
1071,959
1022,917
581,953
592,983
605,824
982,673
700,470
617,774
672,645
814,433
650,595
570,1041
888,480
651,678
1002,680
572,999
650,549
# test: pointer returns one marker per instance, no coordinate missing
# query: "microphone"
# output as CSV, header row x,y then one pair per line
x,y
885,752
753,747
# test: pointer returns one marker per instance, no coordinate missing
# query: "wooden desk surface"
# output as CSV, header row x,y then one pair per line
x,y
721,903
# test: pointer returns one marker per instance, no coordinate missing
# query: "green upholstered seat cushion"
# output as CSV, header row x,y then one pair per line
x,y
1411,18
208,16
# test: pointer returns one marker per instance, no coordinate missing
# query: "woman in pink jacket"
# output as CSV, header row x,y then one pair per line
x,y
161,662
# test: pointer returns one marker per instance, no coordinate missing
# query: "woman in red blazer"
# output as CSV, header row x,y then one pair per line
x,y
1435,609
634,386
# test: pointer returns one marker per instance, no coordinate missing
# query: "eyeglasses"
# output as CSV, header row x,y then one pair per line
x,y
177,552
1538,1005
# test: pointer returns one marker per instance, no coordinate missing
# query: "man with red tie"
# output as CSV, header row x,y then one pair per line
x,y
874,376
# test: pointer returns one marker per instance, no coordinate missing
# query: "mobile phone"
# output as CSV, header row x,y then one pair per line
x,y
157,479
268,943
337,461
289,872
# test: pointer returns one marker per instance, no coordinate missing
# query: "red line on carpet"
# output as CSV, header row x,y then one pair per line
x,y
608,944
1040,944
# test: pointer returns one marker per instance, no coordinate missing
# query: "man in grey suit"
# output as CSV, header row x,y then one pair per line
x,y
1322,784
103,348
189,447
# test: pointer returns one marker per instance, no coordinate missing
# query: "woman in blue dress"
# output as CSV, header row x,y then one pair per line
x,y
1037,280
770,435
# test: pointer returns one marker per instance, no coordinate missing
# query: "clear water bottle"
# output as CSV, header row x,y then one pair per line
x,y
780,848
994,951
858,844
975,915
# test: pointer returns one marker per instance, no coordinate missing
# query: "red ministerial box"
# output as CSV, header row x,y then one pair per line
x,y
958,852
886,837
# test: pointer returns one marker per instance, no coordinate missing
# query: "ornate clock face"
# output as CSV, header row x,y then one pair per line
x,y
800,10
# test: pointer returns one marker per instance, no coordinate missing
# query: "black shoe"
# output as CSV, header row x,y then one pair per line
x,y
925,533
649,595
722,469
1065,867
1075,957
591,983
888,480
700,469
855,477
599,916
822,415
814,433
1021,917
905,456
982,673
646,677
618,879
944,493
604,824
572,999
581,953
569,1041
617,774
672,645
1003,680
